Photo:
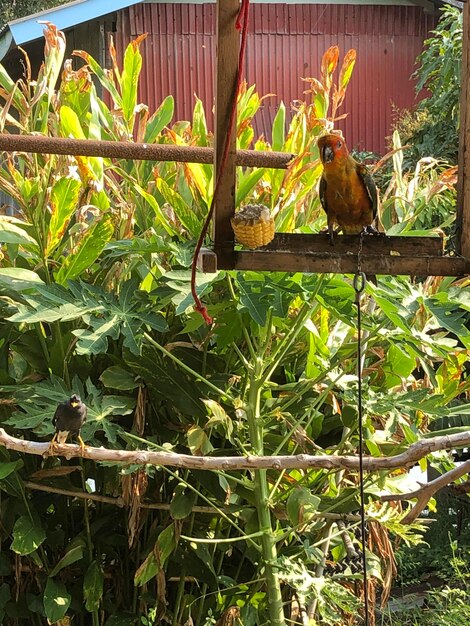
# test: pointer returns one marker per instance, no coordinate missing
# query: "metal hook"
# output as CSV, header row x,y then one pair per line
x,y
359,282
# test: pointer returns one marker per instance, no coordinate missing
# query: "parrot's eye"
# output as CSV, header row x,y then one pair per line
x,y
339,144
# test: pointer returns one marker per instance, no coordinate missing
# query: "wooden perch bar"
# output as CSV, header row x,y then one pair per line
x,y
370,264
136,151
349,244
414,256
416,451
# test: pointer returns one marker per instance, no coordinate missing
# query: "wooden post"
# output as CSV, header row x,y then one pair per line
x,y
228,44
463,195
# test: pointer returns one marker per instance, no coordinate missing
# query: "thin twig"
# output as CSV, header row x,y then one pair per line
x,y
426,491
74,494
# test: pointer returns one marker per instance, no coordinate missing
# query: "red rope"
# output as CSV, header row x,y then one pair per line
x,y
240,24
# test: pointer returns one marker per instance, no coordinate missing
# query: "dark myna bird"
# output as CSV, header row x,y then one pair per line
x,y
68,418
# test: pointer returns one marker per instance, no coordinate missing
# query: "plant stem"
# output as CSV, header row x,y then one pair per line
x,y
186,368
261,491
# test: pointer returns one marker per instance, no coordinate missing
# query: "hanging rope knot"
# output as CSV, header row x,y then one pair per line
x,y
200,308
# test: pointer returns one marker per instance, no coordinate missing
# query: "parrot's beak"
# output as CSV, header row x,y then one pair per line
x,y
327,154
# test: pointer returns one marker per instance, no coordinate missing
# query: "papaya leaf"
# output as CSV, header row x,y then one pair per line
x,y
116,377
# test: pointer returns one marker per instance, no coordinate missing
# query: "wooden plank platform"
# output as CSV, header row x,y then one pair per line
x,y
415,256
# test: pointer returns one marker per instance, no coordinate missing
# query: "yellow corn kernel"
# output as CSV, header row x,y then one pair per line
x,y
253,226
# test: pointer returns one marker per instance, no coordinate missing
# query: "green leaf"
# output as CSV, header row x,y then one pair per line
x,y
246,183
73,555
63,202
167,380
278,132
8,468
70,124
96,341
184,212
116,377
182,502
93,587
162,219
28,535
301,505
89,249
130,79
11,233
56,600
166,544
147,570
321,104
159,119
198,441
18,278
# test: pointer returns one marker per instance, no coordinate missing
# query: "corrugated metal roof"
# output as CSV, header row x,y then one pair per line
x,y
285,42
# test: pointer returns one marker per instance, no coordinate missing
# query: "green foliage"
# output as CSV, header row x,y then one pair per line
x,y
446,602
432,129
96,300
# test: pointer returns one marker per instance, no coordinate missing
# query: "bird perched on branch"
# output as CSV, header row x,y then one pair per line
x,y
68,419
348,193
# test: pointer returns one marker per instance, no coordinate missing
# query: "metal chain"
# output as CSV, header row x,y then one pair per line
x,y
359,283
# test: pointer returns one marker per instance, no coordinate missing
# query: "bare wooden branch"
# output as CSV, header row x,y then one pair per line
x,y
426,491
161,506
29,484
136,151
416,451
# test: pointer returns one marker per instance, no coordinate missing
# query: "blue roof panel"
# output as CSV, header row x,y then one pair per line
x,y
28,28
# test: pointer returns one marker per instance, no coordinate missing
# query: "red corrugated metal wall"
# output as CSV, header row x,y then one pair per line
x,y
286,42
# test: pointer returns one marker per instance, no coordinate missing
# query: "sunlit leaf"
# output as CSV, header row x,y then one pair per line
x,y
28,535
117,377
56,600
302,505
88,250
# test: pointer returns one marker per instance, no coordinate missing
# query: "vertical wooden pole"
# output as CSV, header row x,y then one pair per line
x,y
463,192
228,44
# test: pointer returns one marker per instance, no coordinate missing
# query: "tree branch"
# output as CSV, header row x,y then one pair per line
x,y
426,491
416,451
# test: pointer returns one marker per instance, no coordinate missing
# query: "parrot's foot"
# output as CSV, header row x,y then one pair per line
x,y
82,445
371,230
331,232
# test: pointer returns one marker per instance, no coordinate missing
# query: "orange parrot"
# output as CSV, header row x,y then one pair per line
x,y
348,193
